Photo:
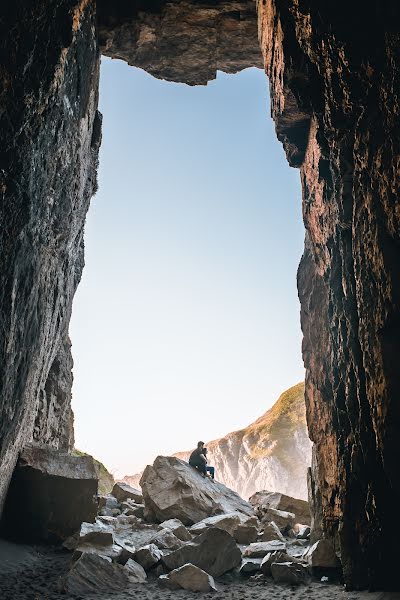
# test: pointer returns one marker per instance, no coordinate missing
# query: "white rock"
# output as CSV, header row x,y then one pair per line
x,y
282,519
215,551
177,528
192,578
166,540
264,500
135,571
148,556
261,549
242,527
250,565
271,532
96,533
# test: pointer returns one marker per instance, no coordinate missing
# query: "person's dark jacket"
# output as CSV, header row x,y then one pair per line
x,y
197,458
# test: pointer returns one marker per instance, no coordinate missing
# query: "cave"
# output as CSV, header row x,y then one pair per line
x,y
333,70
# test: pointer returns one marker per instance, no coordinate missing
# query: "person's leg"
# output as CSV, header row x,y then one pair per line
x,y
211,470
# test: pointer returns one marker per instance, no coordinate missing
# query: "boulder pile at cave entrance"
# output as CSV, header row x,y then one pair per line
x,y
186,532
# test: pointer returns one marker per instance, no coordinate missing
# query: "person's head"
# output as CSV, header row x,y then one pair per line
x,y
200,445
205,451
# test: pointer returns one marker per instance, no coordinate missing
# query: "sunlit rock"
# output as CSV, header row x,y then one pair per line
x,y
260,549
122,492
177,528
215,551
263,501
174,489
148,556
189,577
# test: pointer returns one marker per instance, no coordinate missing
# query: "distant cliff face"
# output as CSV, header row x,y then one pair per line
x,y
272,453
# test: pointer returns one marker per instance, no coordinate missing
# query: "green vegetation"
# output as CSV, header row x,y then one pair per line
x,y
274,430
106,480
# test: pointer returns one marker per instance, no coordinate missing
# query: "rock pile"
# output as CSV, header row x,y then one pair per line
x,y
189,532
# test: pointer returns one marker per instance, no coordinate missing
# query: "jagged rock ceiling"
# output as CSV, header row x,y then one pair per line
x,y
182,41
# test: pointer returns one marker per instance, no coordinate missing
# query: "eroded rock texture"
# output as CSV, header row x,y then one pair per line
x,y
181,40
50,134
334,72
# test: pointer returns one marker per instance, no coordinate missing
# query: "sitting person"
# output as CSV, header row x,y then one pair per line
x,y
198,461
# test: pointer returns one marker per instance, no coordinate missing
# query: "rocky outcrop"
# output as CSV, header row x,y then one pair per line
x,y
182,41
335,80
50,495
172,489
50,133
273,453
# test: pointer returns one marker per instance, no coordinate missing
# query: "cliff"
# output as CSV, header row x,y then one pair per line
x,y
273,453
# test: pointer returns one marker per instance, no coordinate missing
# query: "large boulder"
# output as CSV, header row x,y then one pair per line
x,y
322,555
50,495
271,532
135,571
173,489
264,500
122,492
166,540
93,574
148,556
273,557
188,577
289,572
242,527
96,533
177,528
215,551
283,519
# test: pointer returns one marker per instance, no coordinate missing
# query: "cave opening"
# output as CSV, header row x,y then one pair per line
x,y
334,100
192,300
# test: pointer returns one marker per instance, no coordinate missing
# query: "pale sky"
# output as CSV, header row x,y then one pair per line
x,y
186,323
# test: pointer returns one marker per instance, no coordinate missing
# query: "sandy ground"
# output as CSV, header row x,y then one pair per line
x,y
33,573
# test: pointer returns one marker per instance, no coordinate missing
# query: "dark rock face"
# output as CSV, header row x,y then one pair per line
x,y
50,495
54,423
50,134
334,71
185,41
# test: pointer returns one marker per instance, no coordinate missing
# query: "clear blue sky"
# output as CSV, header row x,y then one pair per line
x,y
186,322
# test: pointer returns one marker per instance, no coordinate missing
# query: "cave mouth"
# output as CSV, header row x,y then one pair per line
x,y
187,304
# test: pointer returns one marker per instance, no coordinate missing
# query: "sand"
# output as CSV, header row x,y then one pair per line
x,y
33,573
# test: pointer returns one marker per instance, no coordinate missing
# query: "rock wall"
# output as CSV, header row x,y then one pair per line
x,y
50,134
334,74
